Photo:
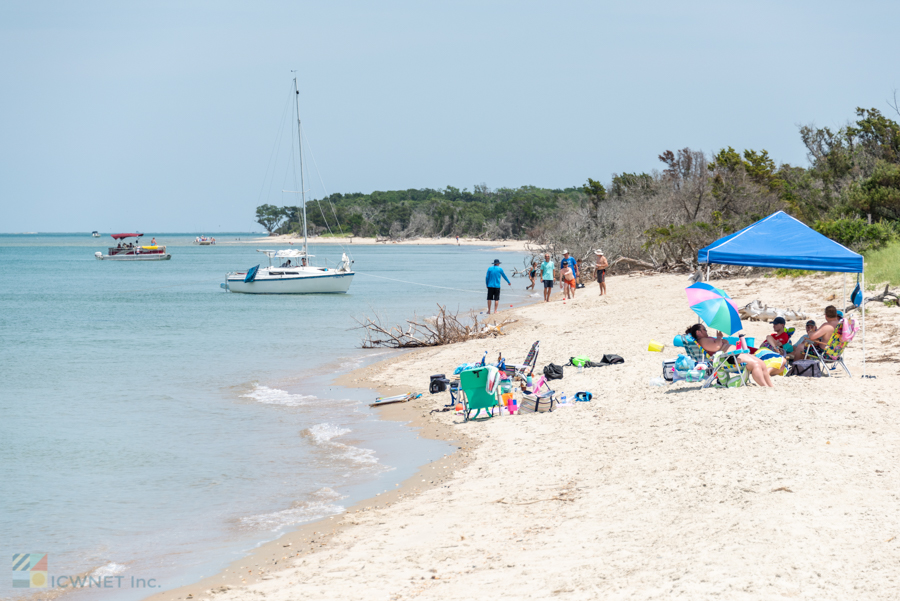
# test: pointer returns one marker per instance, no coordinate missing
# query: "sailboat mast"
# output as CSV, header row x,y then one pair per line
x,y
300,147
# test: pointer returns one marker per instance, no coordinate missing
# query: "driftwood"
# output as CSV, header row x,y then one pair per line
x,y
885,296
445,328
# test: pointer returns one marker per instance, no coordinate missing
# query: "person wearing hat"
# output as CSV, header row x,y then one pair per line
x,y
569,262
492,281
780,338
602,264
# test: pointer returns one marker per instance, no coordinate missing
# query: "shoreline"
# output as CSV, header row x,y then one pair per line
x,y
304,539
500,245
647,492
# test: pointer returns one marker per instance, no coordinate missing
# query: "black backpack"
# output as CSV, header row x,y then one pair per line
x,y
553,372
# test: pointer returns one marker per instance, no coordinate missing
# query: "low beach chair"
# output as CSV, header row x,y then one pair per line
x,y
832,355
525,369
475,397
724,370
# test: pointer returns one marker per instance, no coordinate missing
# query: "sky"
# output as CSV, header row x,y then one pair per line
x,y
162,116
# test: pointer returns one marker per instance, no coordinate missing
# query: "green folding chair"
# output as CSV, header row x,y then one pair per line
x,y
473,384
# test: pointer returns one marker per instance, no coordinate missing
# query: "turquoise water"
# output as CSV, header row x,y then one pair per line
x,y
154,425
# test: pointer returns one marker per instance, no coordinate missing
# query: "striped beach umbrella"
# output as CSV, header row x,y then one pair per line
x,y
714,307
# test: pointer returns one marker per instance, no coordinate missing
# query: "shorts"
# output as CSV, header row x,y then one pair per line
x,y
548,283
571,283
601,275
493,294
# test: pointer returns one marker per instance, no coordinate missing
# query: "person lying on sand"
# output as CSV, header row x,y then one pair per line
x,y
820,336
758,370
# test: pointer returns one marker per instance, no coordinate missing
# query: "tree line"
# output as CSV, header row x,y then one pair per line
x,y
849,191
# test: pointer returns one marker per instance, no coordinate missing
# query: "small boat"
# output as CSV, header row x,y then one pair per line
x,y
204,241
133,251
292,276
293,271
95,234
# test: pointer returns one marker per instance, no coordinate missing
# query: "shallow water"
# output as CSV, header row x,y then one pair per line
x,y
154,425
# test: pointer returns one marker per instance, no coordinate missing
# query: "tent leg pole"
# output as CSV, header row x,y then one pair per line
x,y
844,293
864,320
707,272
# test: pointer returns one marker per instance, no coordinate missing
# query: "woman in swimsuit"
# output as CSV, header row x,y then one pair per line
x,y
758,370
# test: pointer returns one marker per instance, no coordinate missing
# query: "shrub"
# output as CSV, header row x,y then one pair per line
x,y
856,234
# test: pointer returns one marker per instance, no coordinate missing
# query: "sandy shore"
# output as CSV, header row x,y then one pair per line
x,y
507,245
644,493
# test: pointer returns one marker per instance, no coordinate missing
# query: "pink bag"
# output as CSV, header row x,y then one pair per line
x,y
849,328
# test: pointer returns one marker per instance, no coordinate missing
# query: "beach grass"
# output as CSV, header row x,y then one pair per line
x,y
883,266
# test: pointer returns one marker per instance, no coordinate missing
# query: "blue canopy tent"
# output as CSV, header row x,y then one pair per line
x,y
779,240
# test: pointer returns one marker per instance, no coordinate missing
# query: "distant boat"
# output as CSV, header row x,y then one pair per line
x,y
204,241
133,251
296,274
95,234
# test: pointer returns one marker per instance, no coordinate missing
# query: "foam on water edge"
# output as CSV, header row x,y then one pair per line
x,y
322,434
276,396
321,504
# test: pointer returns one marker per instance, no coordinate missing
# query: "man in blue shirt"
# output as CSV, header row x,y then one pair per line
x,y
568,261
492,281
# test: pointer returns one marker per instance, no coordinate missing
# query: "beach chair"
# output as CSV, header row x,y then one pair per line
x,y
832,355
724,370
475,397
527,368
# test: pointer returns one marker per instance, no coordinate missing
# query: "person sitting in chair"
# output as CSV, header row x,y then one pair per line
x,y
780,338
757,368
820,336
287,264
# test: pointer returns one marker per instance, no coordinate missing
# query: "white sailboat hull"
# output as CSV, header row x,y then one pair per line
x,y
291,283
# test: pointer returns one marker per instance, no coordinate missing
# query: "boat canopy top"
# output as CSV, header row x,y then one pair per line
x,y
121,236
288,253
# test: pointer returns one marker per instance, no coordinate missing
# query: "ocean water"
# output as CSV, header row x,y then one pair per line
x,y
154,425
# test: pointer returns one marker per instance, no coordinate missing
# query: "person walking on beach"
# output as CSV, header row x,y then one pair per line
x,y
547,268
532,275
492,281
602,264
569,262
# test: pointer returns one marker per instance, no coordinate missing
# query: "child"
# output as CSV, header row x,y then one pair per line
x,y
777,340
568,281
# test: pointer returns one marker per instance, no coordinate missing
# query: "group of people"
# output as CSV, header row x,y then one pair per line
x,y
778,342
569,274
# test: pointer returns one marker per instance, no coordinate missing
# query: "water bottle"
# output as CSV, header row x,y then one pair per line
x,y
581,368
563,400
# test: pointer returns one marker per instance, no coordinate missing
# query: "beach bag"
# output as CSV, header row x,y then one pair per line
x,y
684,363
553,372
807,368
849,328
533,403
438,384
579,361
611,360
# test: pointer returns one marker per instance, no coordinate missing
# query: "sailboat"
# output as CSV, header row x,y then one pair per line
x,y
290,271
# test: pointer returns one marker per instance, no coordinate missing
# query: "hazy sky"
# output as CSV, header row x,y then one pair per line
x,y
161,116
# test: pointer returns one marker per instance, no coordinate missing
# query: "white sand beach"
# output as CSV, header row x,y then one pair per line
x,y
643,493
505,245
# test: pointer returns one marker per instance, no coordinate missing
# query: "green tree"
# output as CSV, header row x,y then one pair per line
x,y
270,216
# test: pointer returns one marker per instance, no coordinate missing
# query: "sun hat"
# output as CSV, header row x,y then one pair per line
x,y
779,319
598,252
565,252
496,261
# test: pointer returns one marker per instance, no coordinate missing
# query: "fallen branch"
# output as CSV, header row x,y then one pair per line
x,y
885,297
444,328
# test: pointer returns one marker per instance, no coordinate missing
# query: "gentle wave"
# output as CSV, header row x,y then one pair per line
x,y
110,569
319,506
276,396
322,434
